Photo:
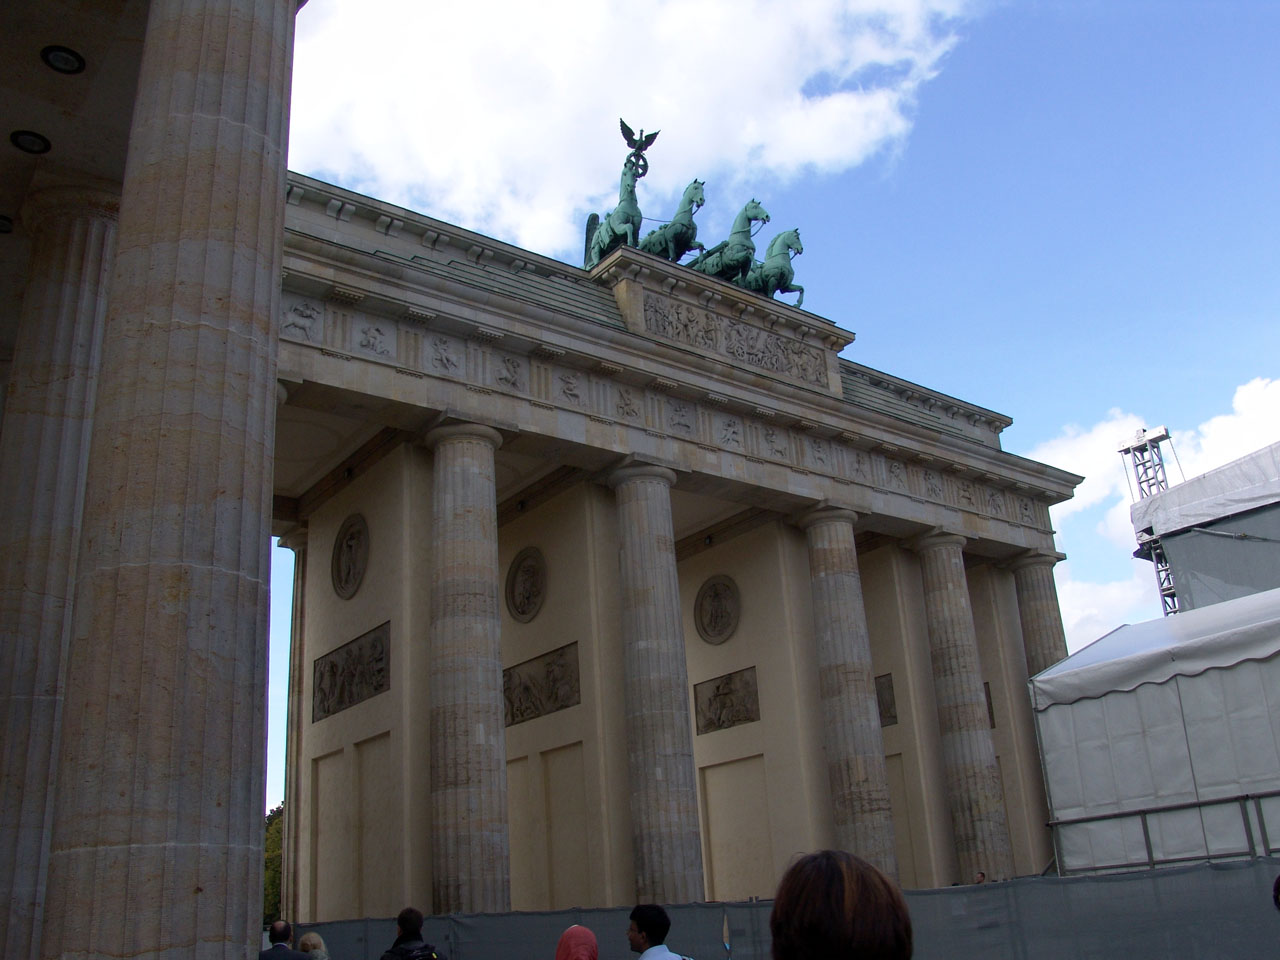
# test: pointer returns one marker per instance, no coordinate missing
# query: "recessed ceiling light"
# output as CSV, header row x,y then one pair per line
x,y
62,59
6,224
28,141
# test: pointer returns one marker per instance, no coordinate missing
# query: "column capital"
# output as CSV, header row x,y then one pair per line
x,y
464,431
68,199
295,539
936,538
641,471
1035,558
826,514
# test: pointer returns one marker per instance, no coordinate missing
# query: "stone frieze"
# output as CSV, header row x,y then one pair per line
x,y
603,395
351,674
726,701
696,327
542,685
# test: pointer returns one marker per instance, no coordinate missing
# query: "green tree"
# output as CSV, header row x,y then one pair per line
x,y
273,856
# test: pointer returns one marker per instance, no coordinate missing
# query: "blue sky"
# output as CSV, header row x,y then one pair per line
x,y
1068,212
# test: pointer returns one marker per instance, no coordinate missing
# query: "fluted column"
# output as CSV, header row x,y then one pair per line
x,y
295,712
157,834
470,852
44,450
852,740
663,791
1038,609
974,791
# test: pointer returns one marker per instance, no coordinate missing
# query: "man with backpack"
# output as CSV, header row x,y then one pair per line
x,y
409,944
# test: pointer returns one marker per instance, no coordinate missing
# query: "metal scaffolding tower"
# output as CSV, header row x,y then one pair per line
x,y
1143,453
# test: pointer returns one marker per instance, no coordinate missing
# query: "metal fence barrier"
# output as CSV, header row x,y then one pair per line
x,y
1201,912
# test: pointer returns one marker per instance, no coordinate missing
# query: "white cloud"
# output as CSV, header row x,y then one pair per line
x,y
1095,524
1254,422
503,116
1093,609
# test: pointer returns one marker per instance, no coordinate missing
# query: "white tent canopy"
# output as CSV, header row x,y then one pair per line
x,y
1161,741
1219,635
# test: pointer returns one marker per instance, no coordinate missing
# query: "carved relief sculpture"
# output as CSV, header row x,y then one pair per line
x,y
350,556
302,322
717,609
509,375
542,685
526,584
726,701
354,672
441,355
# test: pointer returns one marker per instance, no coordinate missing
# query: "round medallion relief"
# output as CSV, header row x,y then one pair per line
x,y
716,611
350,556
526,584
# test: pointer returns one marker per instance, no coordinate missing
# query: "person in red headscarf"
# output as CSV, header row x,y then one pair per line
x,y
577,943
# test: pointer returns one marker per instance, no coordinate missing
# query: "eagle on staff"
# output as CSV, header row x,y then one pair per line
x,y
638,144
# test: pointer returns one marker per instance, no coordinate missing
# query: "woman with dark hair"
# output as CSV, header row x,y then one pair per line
x,y
832,905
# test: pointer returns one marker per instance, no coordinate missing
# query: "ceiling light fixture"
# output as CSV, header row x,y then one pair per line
x,y
62,59
28,141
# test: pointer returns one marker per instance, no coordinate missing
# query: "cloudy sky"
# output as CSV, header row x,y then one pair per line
x,y
1064,210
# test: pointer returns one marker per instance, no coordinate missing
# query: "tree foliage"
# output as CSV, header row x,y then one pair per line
x,y
273,856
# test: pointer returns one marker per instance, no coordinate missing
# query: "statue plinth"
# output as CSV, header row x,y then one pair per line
x,y
669,302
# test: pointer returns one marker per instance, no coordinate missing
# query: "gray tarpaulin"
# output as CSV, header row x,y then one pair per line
x,y
1248,483
1205,912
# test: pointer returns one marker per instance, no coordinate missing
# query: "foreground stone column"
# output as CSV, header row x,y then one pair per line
x,y
44,447
664,796
290,905
157,833
852,740
470,852
974,790
1042,633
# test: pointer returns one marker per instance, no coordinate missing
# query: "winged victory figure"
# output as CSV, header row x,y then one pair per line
x,y
638,145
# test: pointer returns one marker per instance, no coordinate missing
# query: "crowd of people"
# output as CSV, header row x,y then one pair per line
x,y
829,904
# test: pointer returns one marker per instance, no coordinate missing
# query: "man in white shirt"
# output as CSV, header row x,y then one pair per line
x,y
649,926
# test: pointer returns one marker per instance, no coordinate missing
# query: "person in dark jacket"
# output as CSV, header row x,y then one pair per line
x,y
409,944
280,935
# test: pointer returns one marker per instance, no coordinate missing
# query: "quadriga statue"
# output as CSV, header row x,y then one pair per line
x,y
673,240
622,224
775,274
732,259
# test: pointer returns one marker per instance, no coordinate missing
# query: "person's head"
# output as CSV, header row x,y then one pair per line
x,y
649,926
980,877
311,941
409,921
577,943
280,932
833,904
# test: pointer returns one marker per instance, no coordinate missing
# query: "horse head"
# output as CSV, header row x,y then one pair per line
x,y
693,194
789,239
753,211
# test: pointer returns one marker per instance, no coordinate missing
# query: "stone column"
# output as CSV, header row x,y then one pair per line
x,y
974,791
664,795
470,851
852,740
44,447
1038,609
157,835
290,904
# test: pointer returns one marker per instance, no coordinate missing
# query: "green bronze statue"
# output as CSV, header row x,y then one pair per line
x,y
732,259
673,240
622,224
775,274
638,146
